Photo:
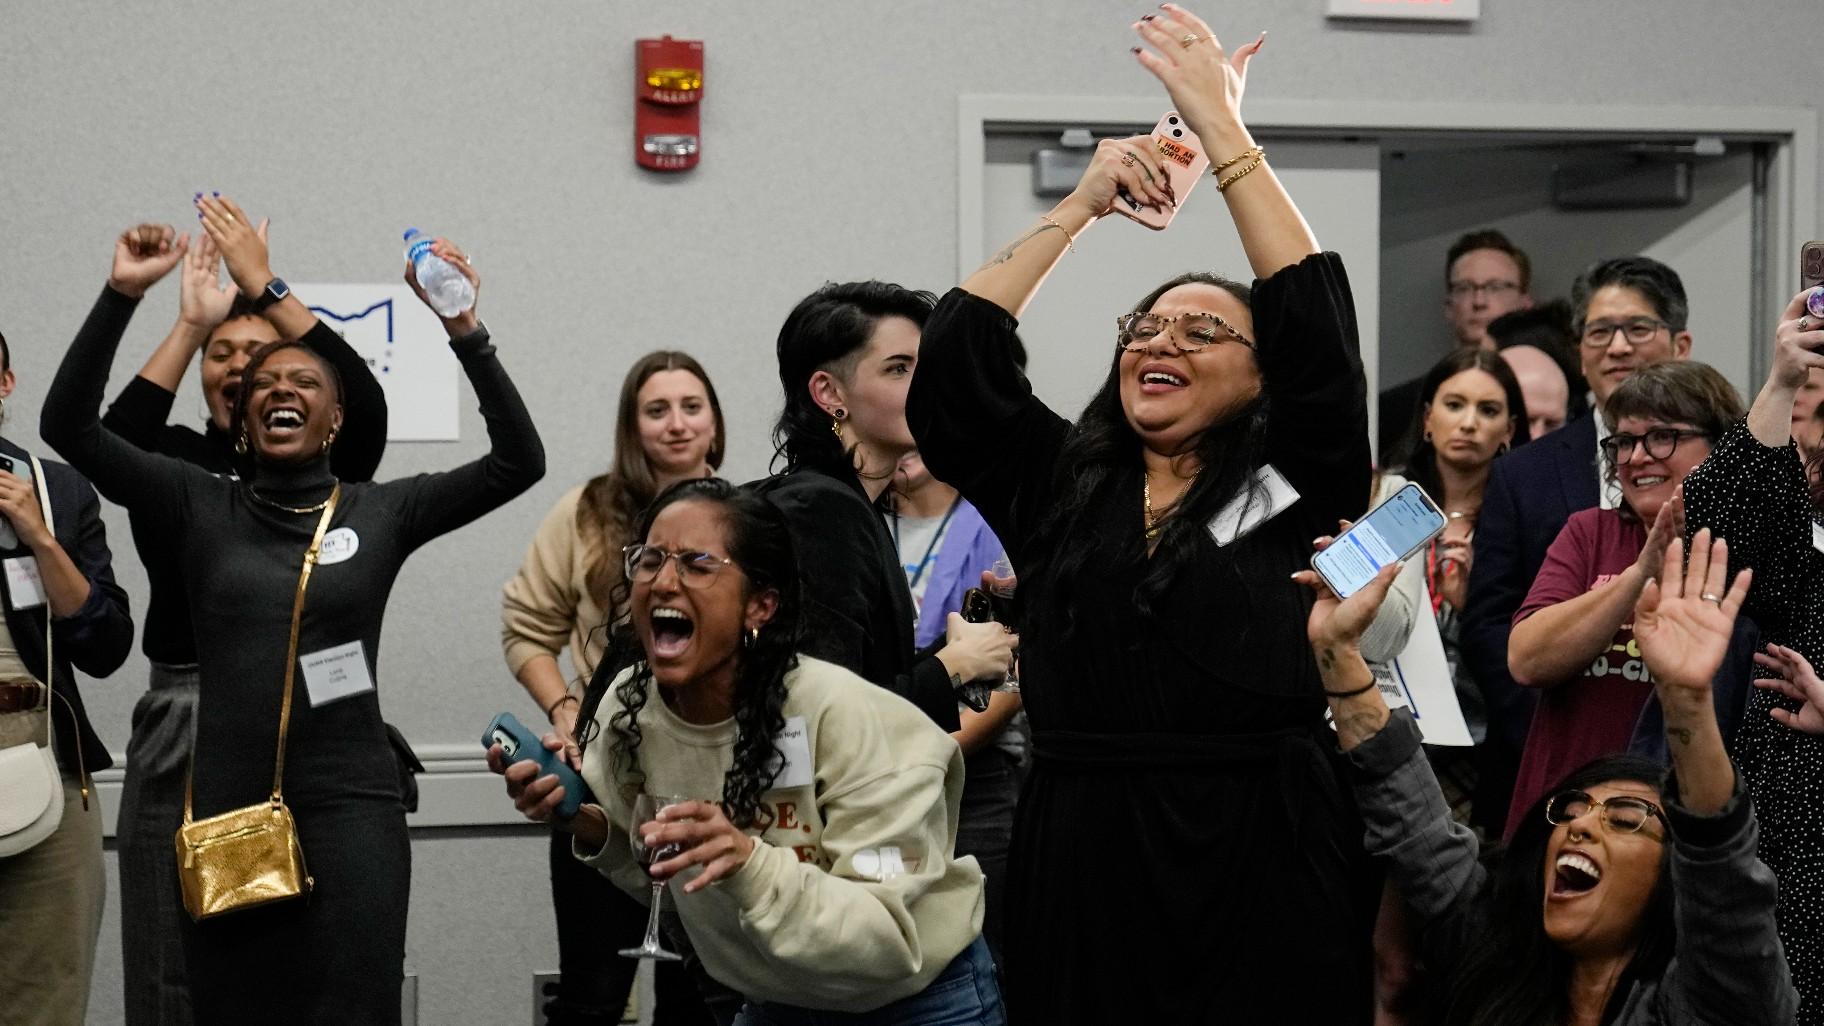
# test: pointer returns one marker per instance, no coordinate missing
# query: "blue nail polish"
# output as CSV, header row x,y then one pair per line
x,y
217,195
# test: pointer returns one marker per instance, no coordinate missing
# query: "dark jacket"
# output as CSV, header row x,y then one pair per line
x,y
857,608
1531,492
98,637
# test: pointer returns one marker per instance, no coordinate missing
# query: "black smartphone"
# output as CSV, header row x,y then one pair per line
x,y
1811,265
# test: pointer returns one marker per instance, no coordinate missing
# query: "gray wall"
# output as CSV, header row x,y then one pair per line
x,y
830,134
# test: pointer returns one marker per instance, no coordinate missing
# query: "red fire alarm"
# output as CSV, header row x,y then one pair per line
x,y
667,90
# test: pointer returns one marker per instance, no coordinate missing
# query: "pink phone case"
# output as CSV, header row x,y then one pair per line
x,y
1185,162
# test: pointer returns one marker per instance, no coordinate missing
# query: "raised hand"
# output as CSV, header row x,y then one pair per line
x,y
144,254
1205,81
1336,621
242,244
1797,343
1683,623
466,321
1667,525
19,505
204,300
1797,681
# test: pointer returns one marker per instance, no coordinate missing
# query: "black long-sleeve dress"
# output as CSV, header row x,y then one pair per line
x,y
1184,850
339,955
1757,498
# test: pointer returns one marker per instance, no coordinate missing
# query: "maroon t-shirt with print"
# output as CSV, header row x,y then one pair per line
x,y
1593,713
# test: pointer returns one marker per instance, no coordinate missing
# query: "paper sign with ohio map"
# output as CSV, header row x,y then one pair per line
x,y
406,348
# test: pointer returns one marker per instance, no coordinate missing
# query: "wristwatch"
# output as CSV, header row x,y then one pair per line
x,y
275,290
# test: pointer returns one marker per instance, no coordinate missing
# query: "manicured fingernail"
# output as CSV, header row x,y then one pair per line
x,y
1136,50
217,195
199,195
1148,17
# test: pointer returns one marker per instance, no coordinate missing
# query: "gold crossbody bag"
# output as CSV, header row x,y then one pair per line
x,y
248,857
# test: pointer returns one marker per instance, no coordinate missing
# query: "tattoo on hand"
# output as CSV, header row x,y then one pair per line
x,y
1326,660
1680,734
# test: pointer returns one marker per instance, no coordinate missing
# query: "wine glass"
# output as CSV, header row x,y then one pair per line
x,y
1001,582
645,809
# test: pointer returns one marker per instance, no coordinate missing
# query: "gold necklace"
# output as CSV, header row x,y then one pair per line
x,y
318,508
1153,526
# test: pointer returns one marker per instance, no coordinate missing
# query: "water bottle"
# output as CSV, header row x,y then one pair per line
x,y
449,292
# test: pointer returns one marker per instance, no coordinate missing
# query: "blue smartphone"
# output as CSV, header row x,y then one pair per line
x,y
1391,532
520,745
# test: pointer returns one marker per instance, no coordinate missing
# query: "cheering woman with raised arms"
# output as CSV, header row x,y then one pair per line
x,y
1181,787
241,544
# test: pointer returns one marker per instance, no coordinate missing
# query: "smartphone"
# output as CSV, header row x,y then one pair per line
x,y
21,469
1185,162
978,607
519,745
1811,267
1391,532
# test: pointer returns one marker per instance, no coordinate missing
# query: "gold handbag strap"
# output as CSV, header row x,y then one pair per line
x,y
291,657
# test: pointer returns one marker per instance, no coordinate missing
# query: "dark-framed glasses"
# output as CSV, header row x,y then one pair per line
x,y
695,569
1659,443
1637,330
1196,331
1623,814
1491,289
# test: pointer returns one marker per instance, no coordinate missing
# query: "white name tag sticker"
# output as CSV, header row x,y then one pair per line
x,y
24,587
338,545
1269,495
794,743
331,674
1817,536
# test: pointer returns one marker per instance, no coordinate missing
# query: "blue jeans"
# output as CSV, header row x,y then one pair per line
x,y
964,994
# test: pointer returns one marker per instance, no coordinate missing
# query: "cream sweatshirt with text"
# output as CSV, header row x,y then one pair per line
x,y
853,897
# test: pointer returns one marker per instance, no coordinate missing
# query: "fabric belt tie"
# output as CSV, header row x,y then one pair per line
x,y
21,696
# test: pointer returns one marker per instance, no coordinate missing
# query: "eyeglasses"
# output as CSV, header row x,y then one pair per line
x,y
1196,331
695,569
1466,289
1659,443
1623,814
1639,331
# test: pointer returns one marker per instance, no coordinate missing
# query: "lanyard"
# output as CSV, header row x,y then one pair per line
x,y
919,573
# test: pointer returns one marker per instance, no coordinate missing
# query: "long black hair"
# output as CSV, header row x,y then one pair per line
x,y
760,545
827,331
237,420
1102,460
1511,973
1421,463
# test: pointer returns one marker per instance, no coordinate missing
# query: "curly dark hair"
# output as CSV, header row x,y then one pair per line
x,y
1102,460
760,546
237,420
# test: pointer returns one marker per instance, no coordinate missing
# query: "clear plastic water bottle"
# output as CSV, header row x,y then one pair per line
x,y
449,292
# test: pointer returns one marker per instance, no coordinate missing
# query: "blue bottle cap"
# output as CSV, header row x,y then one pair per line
x,y
409,232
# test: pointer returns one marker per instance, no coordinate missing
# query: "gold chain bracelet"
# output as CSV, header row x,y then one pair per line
x,y
1223,185
1252,151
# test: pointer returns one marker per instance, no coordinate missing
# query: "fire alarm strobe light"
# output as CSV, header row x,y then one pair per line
x,y
668,90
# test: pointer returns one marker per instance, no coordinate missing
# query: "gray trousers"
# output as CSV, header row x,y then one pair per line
x,y
157,985
50,907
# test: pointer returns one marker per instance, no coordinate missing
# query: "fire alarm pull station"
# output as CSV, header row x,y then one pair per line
x,y
667,94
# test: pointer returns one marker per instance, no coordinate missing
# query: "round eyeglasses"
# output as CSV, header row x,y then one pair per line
x,y
1623,814
694,569
1637,330
1135,332
1659,443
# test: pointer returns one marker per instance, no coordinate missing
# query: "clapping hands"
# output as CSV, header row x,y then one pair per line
x,y
143,255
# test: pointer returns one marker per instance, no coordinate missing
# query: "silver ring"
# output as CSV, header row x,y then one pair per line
x,y
1710,596
1804,324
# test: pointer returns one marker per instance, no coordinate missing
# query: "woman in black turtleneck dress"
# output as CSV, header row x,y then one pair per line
x,y
239,544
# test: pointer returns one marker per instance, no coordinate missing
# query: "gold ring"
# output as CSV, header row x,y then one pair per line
x,y
1188,39
1129,160
1804,324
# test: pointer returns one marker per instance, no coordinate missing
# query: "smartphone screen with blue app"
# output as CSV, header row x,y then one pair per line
x,y
1391,532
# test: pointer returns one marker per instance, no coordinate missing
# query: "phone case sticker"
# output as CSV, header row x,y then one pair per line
x,y
794,744
1176,152
1243,513
332,674
24,588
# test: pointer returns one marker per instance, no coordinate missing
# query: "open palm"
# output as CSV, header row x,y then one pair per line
x,y
1683,623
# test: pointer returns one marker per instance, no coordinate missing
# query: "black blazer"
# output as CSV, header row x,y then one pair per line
x,y
857,608
1531,492
98,638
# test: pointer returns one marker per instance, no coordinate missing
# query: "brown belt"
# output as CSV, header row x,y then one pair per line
x,y
22,697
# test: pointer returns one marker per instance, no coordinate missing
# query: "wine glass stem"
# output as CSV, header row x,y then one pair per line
x,y
652,916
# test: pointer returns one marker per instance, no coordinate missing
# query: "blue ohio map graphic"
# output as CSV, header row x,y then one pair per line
x,y
384,366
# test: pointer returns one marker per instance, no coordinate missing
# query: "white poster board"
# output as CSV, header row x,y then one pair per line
x,y
1419,679
406,348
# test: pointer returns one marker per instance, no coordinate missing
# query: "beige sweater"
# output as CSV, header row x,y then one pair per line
x,y
547,604
853,896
